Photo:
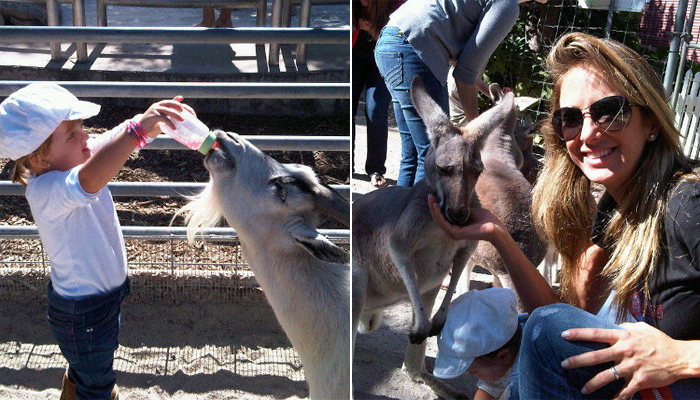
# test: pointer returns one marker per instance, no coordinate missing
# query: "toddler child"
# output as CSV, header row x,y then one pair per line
x,y
482,336
66,173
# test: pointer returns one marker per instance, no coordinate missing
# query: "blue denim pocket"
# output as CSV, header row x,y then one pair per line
x,y
390,65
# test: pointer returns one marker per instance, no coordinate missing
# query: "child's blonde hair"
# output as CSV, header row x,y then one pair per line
x,y
22,167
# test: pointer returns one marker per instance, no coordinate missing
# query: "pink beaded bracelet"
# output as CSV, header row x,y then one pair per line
x,y
138,136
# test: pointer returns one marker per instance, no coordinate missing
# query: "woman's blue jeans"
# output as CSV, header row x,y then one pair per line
x,y
377,98
398,64
86,331
543,349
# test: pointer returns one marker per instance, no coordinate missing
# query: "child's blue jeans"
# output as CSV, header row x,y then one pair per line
x,y
86,331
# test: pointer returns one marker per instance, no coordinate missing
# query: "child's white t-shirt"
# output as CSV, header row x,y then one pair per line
x,y
80,231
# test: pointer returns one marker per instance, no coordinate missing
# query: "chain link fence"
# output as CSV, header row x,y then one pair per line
x,y
518,62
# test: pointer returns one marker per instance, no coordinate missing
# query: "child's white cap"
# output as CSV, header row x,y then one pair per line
x,y
478,322
29,116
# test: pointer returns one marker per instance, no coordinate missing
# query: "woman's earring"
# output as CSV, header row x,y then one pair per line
x,y
652,138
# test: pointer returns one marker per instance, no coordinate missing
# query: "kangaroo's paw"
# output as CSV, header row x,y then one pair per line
x,y
417,338
442,389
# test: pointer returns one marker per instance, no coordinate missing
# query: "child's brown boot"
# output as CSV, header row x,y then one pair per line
x,y
115,393
67,388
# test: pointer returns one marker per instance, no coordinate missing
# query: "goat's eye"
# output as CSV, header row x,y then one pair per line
x,y
281,192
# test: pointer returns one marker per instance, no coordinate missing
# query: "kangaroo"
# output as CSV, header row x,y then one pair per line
x,y
398,252
505,189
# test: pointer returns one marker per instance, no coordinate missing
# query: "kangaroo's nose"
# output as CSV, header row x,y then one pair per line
x,y
457,216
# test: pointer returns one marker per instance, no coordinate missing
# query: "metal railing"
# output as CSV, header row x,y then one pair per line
x,y
281,16
81,35
163,232
147,189
53,18
174,35
259,5
182,189
200,90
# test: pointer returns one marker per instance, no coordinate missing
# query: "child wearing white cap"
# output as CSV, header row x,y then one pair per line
x,y
66,174
482,336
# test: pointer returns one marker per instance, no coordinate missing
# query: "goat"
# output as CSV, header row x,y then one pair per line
x,y
275,209
505,188
397,249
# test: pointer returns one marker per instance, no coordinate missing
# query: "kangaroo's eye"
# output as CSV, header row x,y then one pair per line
x,y
443,170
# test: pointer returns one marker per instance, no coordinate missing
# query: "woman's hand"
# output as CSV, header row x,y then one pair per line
x,y
482,224
644,356
163,111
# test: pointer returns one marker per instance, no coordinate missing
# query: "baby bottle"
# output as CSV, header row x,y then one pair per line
x,y
192,133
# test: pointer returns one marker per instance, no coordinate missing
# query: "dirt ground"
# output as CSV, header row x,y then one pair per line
x,y
187,351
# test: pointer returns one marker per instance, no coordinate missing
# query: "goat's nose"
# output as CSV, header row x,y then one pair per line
x,y
234,138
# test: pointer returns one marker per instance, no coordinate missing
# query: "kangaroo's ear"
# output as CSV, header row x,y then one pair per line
x,y
318,245
437,123
496,92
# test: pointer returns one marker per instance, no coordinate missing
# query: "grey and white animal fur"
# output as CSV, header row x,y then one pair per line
x,y
504,189
399,253
275,209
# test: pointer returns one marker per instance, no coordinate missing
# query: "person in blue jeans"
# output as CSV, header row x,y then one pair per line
x,y
369,17
636,252
66,174
422,38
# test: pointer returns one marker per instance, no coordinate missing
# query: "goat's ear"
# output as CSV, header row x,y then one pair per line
x,y
437,123
318,245
332,204
326,200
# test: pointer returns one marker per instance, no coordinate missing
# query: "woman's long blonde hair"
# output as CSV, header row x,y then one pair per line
x,y
563,207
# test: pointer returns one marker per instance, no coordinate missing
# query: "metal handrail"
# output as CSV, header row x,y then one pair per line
x,y
201,90
52,17
260,5
174,35
269,142
164,232
147,189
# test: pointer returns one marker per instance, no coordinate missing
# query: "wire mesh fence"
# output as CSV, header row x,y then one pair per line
x,y
165,269
518,62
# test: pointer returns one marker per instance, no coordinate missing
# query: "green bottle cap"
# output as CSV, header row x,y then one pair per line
x,y
207,143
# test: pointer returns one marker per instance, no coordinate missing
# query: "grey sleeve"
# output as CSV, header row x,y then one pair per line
x,y
496,21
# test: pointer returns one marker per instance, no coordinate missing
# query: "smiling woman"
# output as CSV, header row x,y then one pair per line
x,y
635,257
608,157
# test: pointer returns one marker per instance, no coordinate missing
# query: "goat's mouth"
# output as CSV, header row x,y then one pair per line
x,y
219,157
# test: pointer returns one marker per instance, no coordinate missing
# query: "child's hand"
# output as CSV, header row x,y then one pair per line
x,y
163,111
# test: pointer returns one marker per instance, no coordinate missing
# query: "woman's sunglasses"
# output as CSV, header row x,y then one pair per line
x,y
609,113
